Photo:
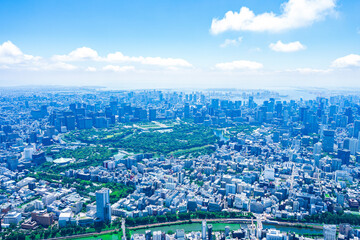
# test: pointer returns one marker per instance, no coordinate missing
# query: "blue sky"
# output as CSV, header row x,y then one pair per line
x,y
180,43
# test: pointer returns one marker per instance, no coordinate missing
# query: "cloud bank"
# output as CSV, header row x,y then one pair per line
x,y
11,57
294,14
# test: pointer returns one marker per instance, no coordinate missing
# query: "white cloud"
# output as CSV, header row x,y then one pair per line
x,y
79,54
57,66
11,54
88,54
295,14
157,61
13,58
351,60
279,46
167,62
231,42
115,68
90,69
311,70
239,65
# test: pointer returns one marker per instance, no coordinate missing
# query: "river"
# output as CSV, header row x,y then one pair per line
x,y
190,227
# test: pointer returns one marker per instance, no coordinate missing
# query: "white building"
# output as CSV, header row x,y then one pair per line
x,y
25,182
103,206
49,199
269,173
157,235
38,205
180,234
329,232
170,185
28,152
203,230
65,218
12,218
274,234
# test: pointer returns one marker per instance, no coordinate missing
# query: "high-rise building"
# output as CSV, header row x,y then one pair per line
x,y
148,235
186,110
317,148
101,122
356,128
227,231
333,110
209,231
123,229
251,102
203,230
12,162
340,199
152,114
103,207
276,136
353,145
344,155
157,235
70,122
346,143
328,140
215,103
278,108
303,113
345,229
349,114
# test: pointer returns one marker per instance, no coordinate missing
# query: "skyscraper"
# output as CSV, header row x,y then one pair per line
x,y
103,207
356,128
215,103
152,114
210,230
203,230
344,155
186,110
328,140
317,148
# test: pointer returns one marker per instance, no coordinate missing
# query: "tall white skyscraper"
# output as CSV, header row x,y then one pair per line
x,y
103,206
203,230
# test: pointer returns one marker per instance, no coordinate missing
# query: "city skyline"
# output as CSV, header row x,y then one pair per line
x,y
240,44
207,165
